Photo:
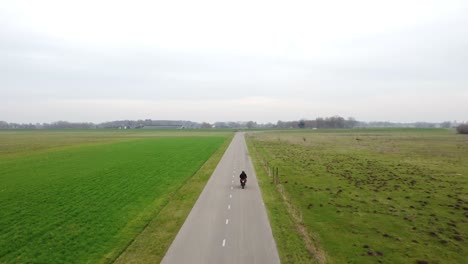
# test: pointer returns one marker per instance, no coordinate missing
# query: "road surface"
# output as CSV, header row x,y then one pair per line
x,y
228,224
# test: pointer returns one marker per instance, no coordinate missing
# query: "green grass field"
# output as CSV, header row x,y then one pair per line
x,y
366,196
77,196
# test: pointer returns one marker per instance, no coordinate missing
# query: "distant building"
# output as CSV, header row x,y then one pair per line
x,y
164,127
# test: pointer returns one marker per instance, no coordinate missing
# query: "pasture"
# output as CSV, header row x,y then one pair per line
x,y
365,196
84,196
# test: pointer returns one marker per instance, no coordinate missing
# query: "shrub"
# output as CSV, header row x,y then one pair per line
x,y
462,129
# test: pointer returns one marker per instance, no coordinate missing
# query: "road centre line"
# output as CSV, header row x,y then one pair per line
x,y
224,242
227,221
229,207
230,196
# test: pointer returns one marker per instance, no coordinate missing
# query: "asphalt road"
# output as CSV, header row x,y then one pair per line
x,y
228,224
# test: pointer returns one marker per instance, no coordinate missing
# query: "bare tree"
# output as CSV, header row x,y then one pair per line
x,y
206,125
251,124
446,124
462,129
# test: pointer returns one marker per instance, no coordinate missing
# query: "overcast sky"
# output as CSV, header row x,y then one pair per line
x,y
265,61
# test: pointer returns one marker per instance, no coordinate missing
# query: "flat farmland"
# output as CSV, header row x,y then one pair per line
x,y
78,196
366,196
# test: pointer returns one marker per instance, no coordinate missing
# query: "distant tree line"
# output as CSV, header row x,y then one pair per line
x,y
462,129
53,125
120,124
333,122
148,123
240,125
320,122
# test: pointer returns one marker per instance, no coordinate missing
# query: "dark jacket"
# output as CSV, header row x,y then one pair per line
x,y
243,175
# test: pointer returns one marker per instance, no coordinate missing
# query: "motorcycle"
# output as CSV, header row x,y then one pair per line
x,y
243,183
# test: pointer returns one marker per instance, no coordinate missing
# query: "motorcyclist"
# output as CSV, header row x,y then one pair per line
x,y
243,175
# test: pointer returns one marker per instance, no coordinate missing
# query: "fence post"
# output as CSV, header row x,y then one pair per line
x,y
277,176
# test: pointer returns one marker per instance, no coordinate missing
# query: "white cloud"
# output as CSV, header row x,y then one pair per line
x,y
200,60
261,109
